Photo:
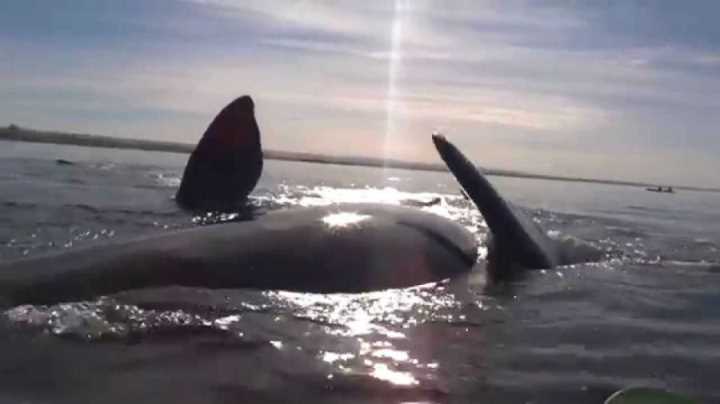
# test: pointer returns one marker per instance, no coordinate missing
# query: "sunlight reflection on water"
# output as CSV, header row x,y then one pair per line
x,y
368,330
383,372
344,219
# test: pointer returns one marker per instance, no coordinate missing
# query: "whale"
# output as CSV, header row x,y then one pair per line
x,y
345,248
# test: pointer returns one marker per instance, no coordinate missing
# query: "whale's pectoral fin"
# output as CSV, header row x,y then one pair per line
x,y
516,240
227,162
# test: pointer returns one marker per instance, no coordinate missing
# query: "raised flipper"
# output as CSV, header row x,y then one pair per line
x,y
517,243
227,162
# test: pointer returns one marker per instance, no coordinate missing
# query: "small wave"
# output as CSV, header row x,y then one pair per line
x,y
106,211
87,208
453,207
165,179
106,319
14,204
324,195
105,166
709,266
350,315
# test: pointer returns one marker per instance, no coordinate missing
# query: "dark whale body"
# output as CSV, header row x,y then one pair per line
x,y
343,248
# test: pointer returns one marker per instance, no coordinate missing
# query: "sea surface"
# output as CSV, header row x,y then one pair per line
x,y
648,314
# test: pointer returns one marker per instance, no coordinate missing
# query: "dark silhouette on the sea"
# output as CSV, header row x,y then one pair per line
x,y
668,190
516,243
227,162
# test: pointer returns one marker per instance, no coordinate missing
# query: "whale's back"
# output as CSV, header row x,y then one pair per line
x,y
343,248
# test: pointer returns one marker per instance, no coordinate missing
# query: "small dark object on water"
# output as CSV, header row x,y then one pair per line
x,y
423,204
62,162
668,190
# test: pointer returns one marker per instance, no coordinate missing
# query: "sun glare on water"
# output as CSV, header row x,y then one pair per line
x,y
344,219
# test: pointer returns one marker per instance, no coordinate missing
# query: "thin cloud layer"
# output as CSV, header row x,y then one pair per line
x,y
624,91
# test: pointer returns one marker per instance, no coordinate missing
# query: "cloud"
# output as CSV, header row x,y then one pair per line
x,y
548,87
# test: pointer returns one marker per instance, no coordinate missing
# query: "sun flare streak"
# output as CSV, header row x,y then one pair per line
x,y
392,102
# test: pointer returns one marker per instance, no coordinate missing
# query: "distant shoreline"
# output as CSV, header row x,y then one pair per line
x,y
15,133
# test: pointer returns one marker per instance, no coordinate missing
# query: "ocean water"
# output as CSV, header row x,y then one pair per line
x,y
648,314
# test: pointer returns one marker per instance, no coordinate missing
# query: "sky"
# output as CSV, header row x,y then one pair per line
x,y
605,89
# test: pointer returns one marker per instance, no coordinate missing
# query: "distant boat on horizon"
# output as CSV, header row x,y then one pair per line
x,y
668,190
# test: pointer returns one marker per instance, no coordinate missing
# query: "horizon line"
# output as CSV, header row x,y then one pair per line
x,y
14,132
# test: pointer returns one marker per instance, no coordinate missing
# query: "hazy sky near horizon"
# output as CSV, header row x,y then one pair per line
x,y
618,89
